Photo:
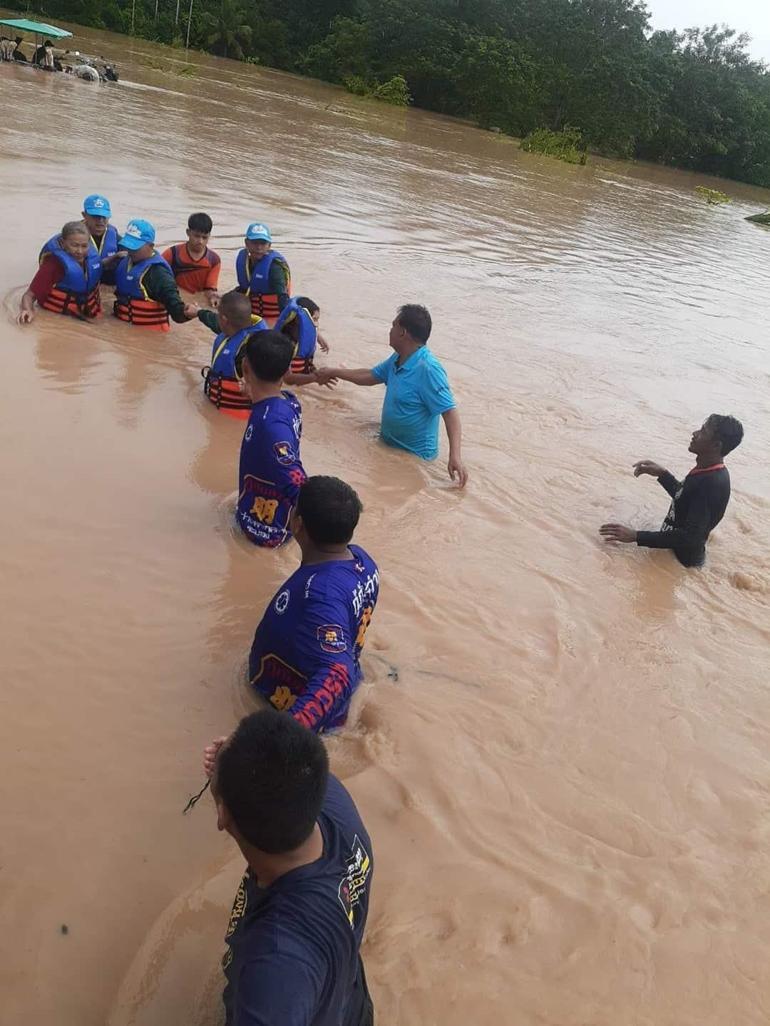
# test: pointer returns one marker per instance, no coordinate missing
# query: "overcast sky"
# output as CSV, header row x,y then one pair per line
x,y
752,16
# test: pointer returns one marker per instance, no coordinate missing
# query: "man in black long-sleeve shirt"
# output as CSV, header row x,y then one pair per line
x,y
698,503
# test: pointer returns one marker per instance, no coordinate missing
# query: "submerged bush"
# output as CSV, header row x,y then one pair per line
x,y
355,84
565,145
712,195
394,91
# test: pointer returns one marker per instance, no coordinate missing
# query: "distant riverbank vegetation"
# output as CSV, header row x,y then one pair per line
x,y
693,99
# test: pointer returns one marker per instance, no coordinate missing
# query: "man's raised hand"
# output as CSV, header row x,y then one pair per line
x,y
648,467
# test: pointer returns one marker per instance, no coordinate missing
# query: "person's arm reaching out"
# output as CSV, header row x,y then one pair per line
x,y
691,535
361,376
454,432
50,271
210,319
665,479
160,285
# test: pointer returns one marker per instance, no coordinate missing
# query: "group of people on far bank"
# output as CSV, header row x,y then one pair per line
x,y
298,919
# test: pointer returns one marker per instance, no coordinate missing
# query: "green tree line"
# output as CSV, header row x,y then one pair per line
x,y
694,99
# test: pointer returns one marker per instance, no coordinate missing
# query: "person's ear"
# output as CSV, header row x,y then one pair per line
x,y
223,816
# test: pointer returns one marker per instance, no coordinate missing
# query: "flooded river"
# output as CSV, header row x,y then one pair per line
x,y
562,750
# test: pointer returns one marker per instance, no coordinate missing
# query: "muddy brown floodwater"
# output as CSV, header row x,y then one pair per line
x,y
562,750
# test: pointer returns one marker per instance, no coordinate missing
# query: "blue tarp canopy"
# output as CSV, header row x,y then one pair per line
x,y
38,27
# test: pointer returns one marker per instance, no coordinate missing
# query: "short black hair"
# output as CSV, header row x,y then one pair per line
x,y
727,430
308,305
330,510
236,307
200,223
416,320
272,776
269,354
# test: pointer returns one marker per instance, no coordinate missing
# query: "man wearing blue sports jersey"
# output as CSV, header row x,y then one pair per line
x,y
270,471
306,650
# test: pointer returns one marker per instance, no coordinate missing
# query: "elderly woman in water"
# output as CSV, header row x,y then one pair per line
x,y
67,281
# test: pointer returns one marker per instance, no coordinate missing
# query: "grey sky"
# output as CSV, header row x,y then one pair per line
x,y
752,16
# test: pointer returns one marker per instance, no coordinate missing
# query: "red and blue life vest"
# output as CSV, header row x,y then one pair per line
x,y
299,326
77,293
221,380
132,304
254,281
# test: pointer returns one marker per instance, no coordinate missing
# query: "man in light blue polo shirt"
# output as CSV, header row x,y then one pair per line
x,y
417,392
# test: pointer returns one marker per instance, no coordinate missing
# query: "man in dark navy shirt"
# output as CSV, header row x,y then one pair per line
x,y
299,914
698,503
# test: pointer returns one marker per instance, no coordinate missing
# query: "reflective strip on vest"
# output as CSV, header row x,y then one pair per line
x,y
62,302
144,313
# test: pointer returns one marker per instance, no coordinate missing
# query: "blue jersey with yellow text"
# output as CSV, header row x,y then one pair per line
x,y
306,651
271,471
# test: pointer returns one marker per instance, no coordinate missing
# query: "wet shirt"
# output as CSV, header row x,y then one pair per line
x,y
698,504
306,651
271,471
292,955
51,271
416,394
159,285
190,274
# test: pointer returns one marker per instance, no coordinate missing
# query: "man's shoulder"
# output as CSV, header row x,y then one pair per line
x,y
430,362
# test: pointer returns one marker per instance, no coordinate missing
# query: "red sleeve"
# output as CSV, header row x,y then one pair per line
x,y
168,254
50,271
212,278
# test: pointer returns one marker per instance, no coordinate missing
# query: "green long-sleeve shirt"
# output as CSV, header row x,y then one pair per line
x,y
159,285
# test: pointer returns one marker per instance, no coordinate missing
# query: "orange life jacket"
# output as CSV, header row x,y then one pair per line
x,y
77,291
132,304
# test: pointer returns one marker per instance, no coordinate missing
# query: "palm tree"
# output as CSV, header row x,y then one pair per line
x,y
226,29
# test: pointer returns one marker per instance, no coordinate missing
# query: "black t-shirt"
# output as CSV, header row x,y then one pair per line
x,y
698,504
293,947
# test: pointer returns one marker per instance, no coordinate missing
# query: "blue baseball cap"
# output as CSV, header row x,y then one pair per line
x,y
258,232
137,234
97,206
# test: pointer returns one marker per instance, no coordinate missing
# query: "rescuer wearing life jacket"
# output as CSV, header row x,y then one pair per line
x,y
263,273
196,267
270,470
67,281
298,323
96,214
234,324
146,294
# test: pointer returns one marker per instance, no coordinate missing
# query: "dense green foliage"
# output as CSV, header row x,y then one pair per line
x,y
693,99
565,145
394,91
